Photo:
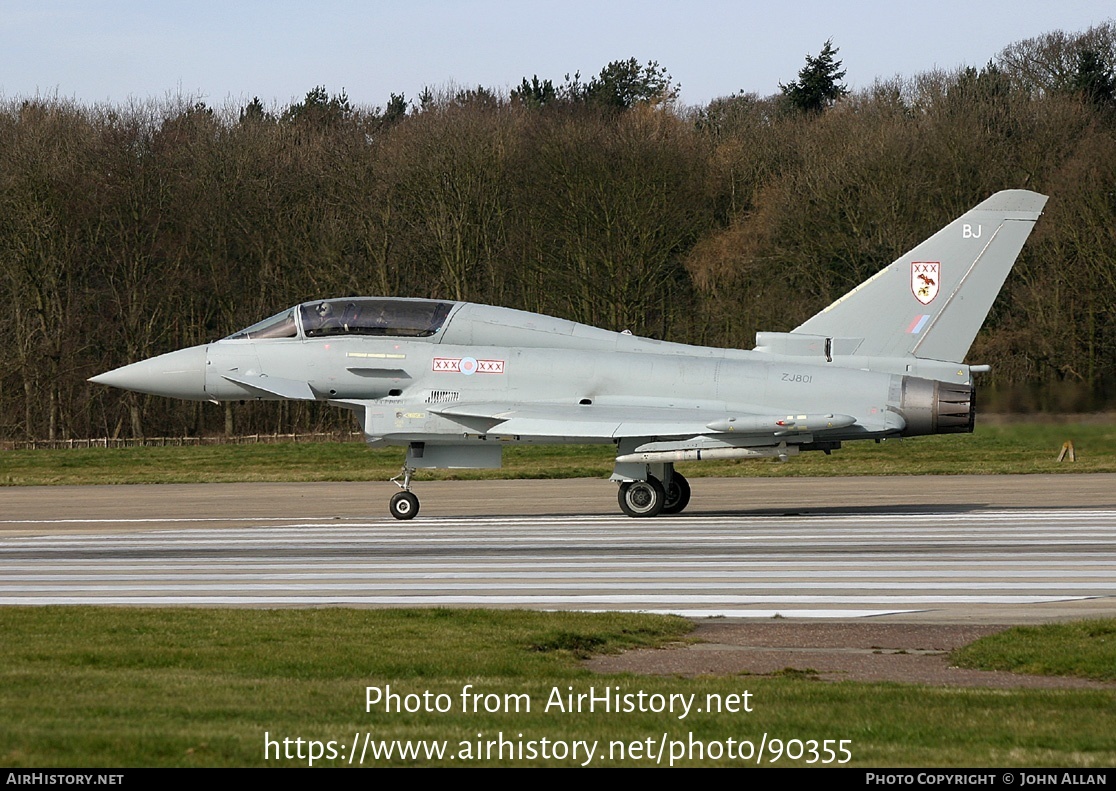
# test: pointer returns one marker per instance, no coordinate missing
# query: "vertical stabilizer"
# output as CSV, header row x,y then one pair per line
x,y
932,301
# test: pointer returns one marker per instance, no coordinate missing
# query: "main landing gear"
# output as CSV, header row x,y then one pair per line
x,y
651,497
404,504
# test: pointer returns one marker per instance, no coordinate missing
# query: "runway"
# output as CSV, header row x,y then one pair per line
x,y
853,552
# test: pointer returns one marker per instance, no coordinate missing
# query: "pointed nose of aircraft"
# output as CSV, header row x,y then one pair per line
x,y
179,374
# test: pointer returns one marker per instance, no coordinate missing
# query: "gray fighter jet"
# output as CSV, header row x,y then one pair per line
x,y
455,381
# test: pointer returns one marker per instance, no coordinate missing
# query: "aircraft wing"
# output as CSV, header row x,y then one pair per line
x,y
616,422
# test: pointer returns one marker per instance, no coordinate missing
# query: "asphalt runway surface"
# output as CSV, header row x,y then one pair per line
x,y
936,549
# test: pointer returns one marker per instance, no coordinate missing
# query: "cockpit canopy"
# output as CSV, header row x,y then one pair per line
x,y
400,318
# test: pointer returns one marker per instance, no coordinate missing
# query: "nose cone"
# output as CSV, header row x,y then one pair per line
x,y
180,374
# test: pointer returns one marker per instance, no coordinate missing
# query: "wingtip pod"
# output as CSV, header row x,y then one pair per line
x,y
931,302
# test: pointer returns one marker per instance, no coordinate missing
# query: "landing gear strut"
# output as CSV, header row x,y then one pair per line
x,y
404,504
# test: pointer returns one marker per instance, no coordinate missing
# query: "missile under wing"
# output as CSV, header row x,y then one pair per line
x,y
453,381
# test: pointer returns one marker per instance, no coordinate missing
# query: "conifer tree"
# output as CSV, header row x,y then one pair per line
x,y
819,82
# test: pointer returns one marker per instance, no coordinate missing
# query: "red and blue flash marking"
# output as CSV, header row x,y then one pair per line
x,y
919,322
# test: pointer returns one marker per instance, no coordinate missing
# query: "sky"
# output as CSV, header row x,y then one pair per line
x,y
225,53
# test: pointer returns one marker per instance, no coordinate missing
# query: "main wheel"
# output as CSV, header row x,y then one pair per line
x,y
404,505
641,498
677,495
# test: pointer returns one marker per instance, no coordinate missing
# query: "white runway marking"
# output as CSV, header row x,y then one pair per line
x,y
837,565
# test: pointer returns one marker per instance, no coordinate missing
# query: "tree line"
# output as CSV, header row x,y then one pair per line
x,y
127,231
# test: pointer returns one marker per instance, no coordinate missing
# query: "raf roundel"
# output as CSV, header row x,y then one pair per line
x,y
468,365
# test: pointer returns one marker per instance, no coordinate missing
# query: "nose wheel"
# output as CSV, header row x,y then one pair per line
x,y
404,504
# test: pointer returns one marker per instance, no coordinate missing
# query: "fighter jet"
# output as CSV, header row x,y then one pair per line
x,y
454,382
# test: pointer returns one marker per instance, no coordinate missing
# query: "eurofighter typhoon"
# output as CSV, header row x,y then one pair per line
x,y
454,382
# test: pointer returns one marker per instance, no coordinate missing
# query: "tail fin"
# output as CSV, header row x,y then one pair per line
x,y
931,302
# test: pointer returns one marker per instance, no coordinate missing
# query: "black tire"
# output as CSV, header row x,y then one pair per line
x,y
677,495
404,506
641,498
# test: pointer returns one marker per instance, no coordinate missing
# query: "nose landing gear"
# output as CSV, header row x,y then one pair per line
x,y
404,504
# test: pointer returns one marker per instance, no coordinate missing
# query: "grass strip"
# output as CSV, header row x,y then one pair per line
x,y
89,686
1006,449
1085,649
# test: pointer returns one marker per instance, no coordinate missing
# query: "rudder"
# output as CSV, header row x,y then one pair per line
x,y
931,302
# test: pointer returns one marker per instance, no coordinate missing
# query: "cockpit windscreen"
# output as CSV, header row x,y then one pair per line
x,y
281,325
404,318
